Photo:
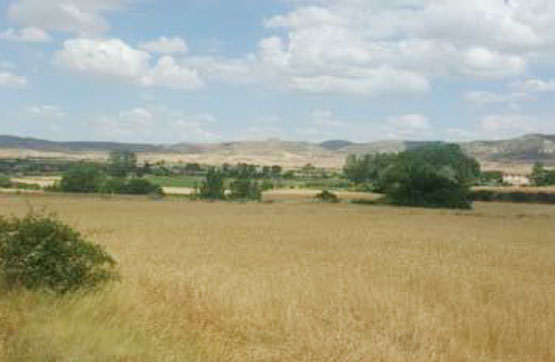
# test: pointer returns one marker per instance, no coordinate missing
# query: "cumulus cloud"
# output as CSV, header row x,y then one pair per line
x,y
108,57
115,58
194,127
26,35
164,45
410,122
10,80
168,73
485,63
535,85
74,16
371,48
45,112
129,125
483,98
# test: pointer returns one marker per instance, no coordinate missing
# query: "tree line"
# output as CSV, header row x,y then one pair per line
x,y
121,175
437,175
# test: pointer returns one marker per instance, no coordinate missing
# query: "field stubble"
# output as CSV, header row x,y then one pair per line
x,y
297,282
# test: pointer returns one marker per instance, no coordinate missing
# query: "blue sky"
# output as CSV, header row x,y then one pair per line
x,y
215,70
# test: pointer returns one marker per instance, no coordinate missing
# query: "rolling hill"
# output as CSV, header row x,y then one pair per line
x,y
522,150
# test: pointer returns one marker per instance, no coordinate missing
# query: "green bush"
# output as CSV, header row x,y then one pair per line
x,y
82,179
38,252
245,189
25,186
327,196
136,186
5,182
514,196
266,185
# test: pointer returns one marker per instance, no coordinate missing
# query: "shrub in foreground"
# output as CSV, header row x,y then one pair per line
x,y
39,252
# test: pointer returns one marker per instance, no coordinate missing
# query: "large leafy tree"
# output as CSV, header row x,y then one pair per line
x,y
82,179
437,175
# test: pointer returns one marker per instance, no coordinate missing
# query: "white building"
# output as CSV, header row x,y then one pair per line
x,y
517,180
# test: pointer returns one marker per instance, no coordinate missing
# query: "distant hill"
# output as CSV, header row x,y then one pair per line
x,y
12,142
335,145
526,149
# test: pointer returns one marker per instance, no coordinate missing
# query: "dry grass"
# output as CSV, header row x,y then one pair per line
x,y
297,282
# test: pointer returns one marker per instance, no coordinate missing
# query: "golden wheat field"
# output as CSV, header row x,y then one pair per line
x,y
296,282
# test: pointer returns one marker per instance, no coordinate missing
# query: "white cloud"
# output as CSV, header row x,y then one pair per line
x,y
114,58
485,63
45,112
193,127
381,47
26,35
164,45
130,125
325,118
483,98
410,122
10,80
535,85
74,16
167,73
109,57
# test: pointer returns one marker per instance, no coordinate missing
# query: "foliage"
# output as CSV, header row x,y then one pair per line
x,y
122,163
5,182
25,186
368,169
266,185
491,178
431,176
40,252
212,187
514,196
136,186
541,176
82,179
245,188
327,196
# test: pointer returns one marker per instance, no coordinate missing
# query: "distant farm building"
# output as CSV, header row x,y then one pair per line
x,y
517,180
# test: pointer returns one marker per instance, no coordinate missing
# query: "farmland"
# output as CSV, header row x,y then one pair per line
x,y
296,282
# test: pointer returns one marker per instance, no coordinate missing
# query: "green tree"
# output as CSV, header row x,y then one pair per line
x,y
5,182
368,168
82,179
245,188
541,176
432,176
212,188
122,163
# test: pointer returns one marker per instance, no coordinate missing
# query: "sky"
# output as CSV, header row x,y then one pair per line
x,y
162,71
